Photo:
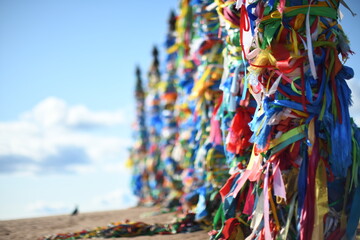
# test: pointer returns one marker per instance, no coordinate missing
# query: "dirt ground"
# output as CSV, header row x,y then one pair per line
x,y
34,228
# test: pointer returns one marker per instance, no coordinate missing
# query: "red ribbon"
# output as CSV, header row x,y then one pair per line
x,y
244,26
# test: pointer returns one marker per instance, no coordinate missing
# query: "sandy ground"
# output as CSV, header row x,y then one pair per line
x,y
33,228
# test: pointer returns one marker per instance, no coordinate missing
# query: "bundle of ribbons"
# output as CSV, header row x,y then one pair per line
x,y
169,133
184,224
206,170
266,145
248,128
301,179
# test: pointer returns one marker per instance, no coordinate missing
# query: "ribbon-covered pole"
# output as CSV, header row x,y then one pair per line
x,y
139,150
154,166
170,131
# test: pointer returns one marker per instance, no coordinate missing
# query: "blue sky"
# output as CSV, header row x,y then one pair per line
x,y
66,99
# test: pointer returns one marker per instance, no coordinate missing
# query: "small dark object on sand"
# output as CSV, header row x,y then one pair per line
x,y
75,212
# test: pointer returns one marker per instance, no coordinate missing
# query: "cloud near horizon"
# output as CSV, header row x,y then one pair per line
x,y
48,208
54,137
118,198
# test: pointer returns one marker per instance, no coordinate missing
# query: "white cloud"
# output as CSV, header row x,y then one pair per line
x,y
80,116
53,112
119,198
48,208
51,138
50,112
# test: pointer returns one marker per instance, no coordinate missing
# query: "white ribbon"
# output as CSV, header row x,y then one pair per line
x,y
309,45
239,3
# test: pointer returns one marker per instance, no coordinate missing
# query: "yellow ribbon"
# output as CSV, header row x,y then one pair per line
x,y
321,201
293,132
201,85
172,49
